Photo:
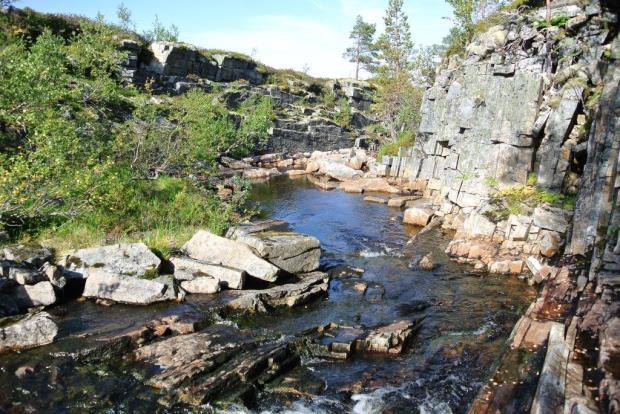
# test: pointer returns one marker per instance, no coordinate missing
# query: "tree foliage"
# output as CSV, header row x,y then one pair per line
x,y
161,33
394,79
364,50
124,18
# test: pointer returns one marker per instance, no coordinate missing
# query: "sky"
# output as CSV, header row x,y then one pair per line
x,y
295,34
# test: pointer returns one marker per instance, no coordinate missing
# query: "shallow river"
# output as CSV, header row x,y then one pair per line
x,y
467,320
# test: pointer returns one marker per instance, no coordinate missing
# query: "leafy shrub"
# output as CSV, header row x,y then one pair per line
x,y
84,160
344,114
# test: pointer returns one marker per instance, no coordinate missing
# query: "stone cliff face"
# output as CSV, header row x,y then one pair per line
x,y
302,124
513,107
530,102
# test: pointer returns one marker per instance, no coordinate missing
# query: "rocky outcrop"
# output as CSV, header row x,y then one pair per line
x,y
341,342
216,363
172,64
511,109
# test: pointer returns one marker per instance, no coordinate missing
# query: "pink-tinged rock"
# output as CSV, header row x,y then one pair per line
x,y
549,243
418,216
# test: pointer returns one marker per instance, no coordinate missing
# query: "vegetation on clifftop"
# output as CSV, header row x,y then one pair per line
x,y
83,158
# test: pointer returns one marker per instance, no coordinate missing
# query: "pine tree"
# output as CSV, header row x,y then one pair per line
x,y
363,51
396,49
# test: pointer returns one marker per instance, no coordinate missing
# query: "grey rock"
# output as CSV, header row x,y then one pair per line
x,y
34,255
210,248
29,296
311,286
102,284
187,269
23,275
201,285
291,252
124,259
31,331
550,219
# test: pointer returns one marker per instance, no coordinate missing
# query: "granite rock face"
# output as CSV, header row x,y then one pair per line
x,y
509,110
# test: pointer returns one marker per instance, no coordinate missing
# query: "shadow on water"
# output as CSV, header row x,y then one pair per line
x,y
468,318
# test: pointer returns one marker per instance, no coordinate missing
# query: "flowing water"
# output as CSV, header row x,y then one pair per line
x,y
468,317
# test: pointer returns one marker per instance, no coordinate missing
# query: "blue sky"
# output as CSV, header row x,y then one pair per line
x,y
280,33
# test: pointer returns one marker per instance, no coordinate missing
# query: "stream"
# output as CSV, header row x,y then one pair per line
x,y
468,317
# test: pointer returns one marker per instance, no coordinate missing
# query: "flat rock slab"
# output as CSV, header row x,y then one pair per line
x,y
378,200
400,202
216,363
125,259
186,269
220,251
290,251
312,286
28,332
201,285
123,289
379,185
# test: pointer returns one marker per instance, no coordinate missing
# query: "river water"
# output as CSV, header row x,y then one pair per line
x,y
468,317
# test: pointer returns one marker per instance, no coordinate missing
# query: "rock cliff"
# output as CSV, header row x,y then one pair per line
x,y
303,123
533,109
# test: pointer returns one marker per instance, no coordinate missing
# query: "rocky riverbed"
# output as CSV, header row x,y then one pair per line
x,y
353,325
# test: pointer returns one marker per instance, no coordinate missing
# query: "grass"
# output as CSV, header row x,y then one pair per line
x,y
164,216
391,148
521,198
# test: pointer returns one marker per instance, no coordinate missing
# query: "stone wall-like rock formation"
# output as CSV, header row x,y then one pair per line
x,y
530,101
513,107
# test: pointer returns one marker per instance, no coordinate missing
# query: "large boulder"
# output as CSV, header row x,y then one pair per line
x,y
186,269
220,251
291,252
338,171
31,331
102,284
123,259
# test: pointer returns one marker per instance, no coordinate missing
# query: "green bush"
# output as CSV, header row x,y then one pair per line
x,y
344,114
84,160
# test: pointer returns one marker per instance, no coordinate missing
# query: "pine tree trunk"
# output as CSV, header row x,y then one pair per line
x,y
548,12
